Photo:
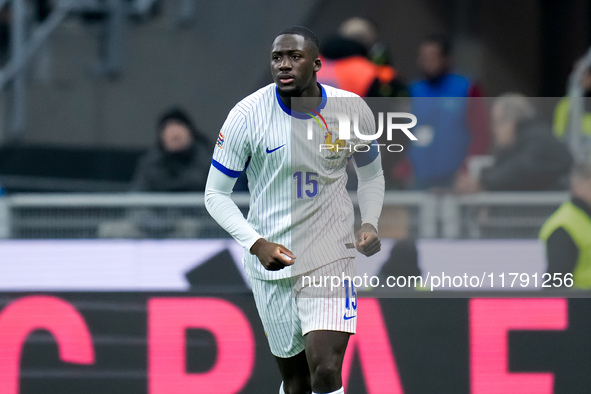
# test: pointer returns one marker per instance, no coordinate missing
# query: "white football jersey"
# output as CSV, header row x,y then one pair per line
x,y
296,169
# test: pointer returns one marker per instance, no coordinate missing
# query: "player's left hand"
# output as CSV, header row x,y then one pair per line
x,y
367,241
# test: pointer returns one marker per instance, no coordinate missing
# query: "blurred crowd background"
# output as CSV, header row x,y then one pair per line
x,y
118,96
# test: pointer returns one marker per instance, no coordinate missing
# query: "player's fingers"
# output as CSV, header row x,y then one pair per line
x,y
285,259
360,237
372,245
366,238
287,252
281,258
378,247
373,250
372,241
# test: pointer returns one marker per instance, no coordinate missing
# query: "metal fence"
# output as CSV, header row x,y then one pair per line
x,y
405,214
498,215
75,216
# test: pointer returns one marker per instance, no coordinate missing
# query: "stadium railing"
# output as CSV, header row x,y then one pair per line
x,y
506,215
414,214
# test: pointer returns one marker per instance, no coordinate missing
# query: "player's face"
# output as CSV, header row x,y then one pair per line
x,y
294,65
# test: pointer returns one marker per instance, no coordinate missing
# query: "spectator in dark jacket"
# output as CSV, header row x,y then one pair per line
x,y
180,160
527,155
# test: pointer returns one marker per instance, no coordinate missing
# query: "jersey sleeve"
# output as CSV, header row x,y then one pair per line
x,y
232,149
367,124
221,207
370,189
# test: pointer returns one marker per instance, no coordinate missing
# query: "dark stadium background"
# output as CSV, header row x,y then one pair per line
x,y
81,127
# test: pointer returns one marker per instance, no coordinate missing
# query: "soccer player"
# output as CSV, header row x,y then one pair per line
x,y
299,207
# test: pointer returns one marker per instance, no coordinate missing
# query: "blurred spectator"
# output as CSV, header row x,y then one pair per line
x,y
527,155
403,262
365,32
179,162
450,127
562,110
346,65
567,233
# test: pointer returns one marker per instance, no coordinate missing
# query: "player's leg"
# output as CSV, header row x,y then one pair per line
x,y
278,312
325,351
295,374
329,317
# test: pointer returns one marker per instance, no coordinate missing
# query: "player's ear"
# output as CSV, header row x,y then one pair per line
x,y
317,64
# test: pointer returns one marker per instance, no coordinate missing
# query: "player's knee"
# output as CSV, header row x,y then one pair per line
x,y
297,387
327,372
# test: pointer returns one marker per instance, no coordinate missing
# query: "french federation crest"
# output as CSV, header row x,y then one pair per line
x,y
333,146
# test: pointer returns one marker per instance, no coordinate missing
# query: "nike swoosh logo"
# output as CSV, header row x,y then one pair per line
x,y
349,317
273,150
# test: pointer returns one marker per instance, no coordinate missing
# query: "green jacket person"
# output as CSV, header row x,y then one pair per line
x,y
567,233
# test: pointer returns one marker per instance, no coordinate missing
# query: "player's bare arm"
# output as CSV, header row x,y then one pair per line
x,y
272,256
367,240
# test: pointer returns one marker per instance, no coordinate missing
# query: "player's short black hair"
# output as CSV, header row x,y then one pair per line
x,y
309,36
443,41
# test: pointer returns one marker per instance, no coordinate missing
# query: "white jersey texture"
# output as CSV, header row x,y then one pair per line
x,y
298,194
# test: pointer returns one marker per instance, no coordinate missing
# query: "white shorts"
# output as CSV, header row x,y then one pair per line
x,y
292,307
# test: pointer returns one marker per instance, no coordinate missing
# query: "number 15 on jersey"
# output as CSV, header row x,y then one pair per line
x,y
310,187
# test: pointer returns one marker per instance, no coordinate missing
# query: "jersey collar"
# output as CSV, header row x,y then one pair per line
x,y
300,115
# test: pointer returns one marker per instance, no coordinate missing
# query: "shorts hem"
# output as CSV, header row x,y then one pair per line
x,y
337,329
291,353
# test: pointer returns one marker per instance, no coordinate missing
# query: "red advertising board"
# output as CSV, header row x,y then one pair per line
x,y
163,343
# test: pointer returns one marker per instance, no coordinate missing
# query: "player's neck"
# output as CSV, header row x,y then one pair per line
x,y
309,98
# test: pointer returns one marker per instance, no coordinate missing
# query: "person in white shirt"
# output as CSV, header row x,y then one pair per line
x,y
299,207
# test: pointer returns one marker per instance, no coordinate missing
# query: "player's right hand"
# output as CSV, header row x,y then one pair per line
x,y
271,255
